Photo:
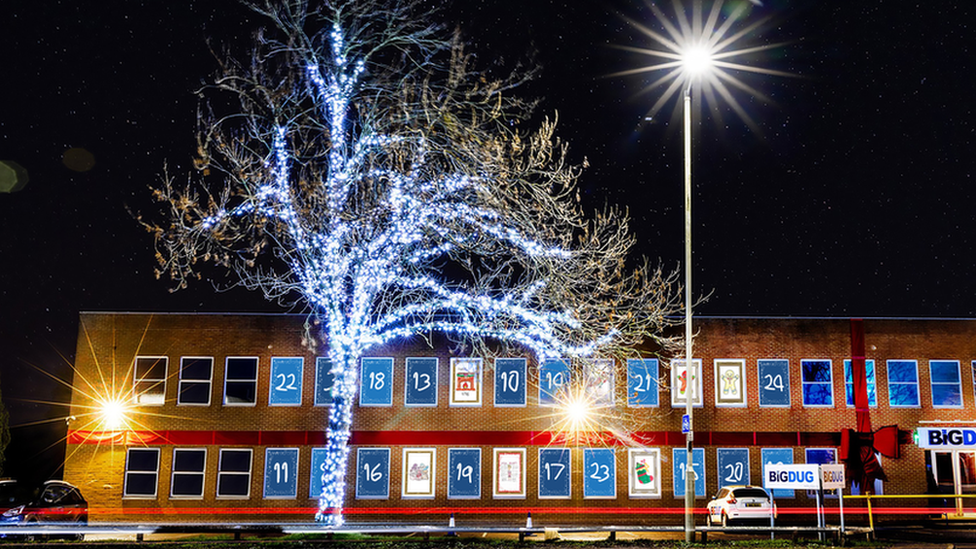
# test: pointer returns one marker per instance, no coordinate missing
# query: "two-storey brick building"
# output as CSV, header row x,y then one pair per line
x,y
223,414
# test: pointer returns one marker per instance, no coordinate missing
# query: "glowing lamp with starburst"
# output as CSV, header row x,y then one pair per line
x,y
113,414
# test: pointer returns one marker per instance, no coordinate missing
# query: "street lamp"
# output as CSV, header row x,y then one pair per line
x,y
697,61
699,52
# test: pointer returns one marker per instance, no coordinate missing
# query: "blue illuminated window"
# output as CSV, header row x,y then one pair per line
x,y
871,378
818,383
946,383
903,384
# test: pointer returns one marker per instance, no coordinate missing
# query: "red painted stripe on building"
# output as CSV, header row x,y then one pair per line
x,y
441,438
879,511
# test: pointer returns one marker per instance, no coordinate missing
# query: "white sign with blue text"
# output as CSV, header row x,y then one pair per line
x,y
940,438
794,477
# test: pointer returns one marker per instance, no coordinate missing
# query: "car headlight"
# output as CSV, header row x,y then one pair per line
x,y
14,511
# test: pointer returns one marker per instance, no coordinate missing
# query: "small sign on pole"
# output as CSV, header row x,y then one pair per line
x,y
685,424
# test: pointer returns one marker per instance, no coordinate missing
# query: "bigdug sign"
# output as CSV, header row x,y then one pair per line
x,y
796,477
946,438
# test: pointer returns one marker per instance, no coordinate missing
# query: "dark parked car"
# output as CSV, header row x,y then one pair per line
x,y
54,503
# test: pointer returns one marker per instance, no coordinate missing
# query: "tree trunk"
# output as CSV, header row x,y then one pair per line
x,y
337,443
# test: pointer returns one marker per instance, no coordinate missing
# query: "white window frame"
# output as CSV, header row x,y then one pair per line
x,y
315,398
160,382
787,384
257,367
435,382
592,368
830,383
209,382
202,474
741,363
932,384
291,451
155,474
918,389
220,473
874,365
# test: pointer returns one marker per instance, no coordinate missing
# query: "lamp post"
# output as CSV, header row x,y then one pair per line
x,y
699,51
695,61
689,363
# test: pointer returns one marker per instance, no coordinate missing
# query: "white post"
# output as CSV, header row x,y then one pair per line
x,y
840,498
689,363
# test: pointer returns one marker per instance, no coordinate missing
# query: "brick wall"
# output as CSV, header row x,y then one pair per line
x,y
108,343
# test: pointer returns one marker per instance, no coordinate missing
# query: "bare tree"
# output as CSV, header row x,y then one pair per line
x,y
368,173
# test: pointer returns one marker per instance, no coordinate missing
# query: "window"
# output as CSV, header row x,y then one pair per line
x,y
376,382
774,383
420,387
324,380
903,384
553,376
555,473
281,473
464,473
599,473
878,489
730,383
642,382
286,381
150,379
241,381
681,385
189,465
946,383
644,479
777,456
871,379
234,474
510,376
465,382
141,472
598,380
818,383
733,466
195,376
821,456
372,474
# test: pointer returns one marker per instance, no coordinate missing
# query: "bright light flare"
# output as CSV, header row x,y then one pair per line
x,y
578,413
113,414
706,53
696,60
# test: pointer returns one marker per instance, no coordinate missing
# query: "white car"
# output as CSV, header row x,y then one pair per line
x,y
740,503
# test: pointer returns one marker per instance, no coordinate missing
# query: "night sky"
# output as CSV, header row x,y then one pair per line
x,y
854,198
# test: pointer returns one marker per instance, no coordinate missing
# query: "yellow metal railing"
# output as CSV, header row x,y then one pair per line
x,y
869,497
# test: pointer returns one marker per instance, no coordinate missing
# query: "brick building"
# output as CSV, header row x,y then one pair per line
x,y
225,414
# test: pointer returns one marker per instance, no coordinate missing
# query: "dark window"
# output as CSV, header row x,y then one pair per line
x,y
234,474
188,472
150,380
141,472
195,375
751,493
241,381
